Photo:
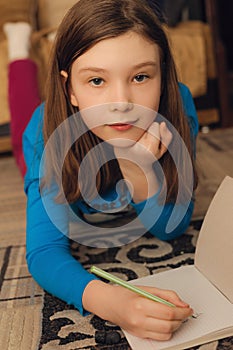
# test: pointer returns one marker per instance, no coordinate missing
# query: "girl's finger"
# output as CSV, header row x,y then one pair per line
x,y
160,311
162,327
165,135
154,130
157,329
166,294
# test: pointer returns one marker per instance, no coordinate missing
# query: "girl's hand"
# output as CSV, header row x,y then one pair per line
x,y
136,161
149,148
136,314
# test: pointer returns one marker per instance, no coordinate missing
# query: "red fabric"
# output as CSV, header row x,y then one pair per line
x,y
24,97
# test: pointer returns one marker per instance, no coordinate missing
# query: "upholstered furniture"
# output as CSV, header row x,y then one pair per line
x,y
192,43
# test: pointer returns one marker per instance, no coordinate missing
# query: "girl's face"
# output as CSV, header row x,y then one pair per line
x,y
116,85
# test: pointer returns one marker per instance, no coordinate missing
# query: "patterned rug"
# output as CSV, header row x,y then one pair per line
x,y
31,319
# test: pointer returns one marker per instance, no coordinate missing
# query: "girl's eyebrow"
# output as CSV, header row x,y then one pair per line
x,y
92,69
144,64
102,70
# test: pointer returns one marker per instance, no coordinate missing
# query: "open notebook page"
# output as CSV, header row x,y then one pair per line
x,y
215,311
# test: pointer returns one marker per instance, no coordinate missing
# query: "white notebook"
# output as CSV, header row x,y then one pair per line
x,y
207,285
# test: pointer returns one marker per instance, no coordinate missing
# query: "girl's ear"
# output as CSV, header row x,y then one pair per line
x,y
72,97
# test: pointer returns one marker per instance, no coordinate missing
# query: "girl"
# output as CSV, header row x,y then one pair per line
x,y
111,65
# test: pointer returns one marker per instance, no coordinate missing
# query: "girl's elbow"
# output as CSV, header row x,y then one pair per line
x,y
162,232
165,236
30,264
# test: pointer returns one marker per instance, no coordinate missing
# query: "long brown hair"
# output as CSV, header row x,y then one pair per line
x,y
85,24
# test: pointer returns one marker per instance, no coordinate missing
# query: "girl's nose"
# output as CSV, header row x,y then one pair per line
x,y
120,106
120,99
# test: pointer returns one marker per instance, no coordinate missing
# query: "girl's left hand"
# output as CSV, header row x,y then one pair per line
x,y
136,161
148,149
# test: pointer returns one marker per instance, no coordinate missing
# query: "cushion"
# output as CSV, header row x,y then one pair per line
x,y
188,45
204,30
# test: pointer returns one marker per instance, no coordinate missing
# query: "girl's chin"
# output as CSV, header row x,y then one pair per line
x,y
121,142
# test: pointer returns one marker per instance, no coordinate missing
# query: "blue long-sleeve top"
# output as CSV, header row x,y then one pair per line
x,y
48,249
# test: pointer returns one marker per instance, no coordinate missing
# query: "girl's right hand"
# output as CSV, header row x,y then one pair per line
x,y
134,313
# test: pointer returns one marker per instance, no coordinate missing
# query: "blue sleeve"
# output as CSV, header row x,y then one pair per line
x,y
48,250
190,112
156,217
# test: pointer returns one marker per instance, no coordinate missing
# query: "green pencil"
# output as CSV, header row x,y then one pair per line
x,y
101,273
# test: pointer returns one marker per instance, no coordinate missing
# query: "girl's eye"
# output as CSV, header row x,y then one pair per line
x,y
140,78
96,81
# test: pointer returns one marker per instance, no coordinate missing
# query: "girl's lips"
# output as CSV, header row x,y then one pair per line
x,y
120,126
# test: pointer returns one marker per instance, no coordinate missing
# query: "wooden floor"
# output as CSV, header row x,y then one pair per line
x,y
214,162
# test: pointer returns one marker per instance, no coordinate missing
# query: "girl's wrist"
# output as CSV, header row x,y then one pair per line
x,y
147,189
96,296
142,183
